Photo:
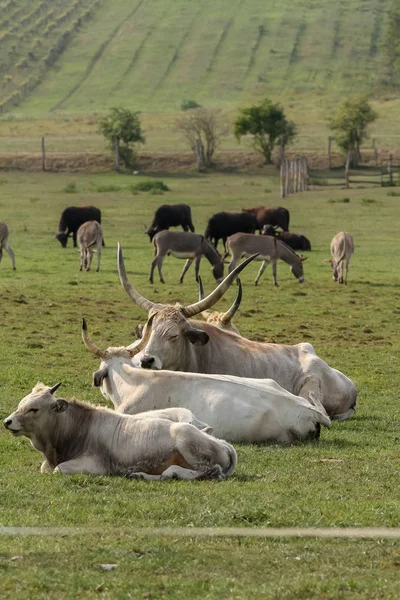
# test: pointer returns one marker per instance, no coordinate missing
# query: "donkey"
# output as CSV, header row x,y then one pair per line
x,y
269,250
89,234
4,233
342,247
191,246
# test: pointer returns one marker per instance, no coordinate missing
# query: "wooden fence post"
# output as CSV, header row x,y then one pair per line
x,y
390,171
281,150
282,179
329,152
116,147
43,155
287,175
305,173
347,171
375,151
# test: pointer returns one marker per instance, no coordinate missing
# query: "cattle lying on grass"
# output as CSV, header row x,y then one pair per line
x,y
295,241
224,224
269,251
4,234
276,217
172,341
72,218
182,244
238,409
75,437
171,215
89,235
342,248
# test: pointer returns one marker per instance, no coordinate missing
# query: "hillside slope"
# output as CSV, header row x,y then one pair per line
x,y
152,54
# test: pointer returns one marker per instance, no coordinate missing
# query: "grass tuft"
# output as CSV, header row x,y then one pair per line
x,y
155,187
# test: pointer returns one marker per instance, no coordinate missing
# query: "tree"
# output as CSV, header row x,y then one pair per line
x,y
203,131
122,128
350,122
267,123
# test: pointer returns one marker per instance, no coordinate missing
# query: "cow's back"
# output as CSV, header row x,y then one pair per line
x,y
74,216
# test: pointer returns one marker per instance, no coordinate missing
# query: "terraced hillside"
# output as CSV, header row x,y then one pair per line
x,y
92,54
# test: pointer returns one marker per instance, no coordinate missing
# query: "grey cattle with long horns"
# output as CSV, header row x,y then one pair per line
x,y
172,341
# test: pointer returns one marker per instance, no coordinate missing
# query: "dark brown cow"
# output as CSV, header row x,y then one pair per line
x,y
277,217
171,215
293,240
72,218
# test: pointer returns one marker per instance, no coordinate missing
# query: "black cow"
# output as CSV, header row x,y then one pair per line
x,y
277,217
294,240
72,218
224,224
171,215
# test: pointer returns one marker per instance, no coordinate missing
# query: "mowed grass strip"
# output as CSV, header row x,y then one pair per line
x,y
348,479
143,567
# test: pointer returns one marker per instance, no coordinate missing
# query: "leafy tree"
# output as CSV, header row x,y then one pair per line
x,y
202,128
122,127
267,123
350,122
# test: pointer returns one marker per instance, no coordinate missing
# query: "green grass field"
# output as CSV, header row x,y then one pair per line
x,y
349,478
150,55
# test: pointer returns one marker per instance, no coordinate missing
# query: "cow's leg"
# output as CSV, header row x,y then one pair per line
x,y
86,465
74,233
10,252
98,257
191,227
177,472
260,271
1,253
185,227
103,242
224,242
185,268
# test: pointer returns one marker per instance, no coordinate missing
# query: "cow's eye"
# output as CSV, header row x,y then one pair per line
x,y
172,338
34,410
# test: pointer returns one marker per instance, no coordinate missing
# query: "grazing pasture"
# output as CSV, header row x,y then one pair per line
x,y
349,478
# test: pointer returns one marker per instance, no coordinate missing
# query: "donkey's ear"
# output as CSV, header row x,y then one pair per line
x,y
328,260
303,258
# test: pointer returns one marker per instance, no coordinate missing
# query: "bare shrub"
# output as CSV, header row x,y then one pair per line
x,y
203,129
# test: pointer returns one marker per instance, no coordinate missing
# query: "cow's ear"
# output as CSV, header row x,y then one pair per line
x,y
197,337
59,405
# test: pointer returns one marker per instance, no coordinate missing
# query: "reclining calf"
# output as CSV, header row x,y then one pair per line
x,y
237,408
75,437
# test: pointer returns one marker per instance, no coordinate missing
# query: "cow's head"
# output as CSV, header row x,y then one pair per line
x,y
169,335
151,232
36,412
62,237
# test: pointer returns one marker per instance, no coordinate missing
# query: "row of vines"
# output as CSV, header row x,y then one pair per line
x,y
33,34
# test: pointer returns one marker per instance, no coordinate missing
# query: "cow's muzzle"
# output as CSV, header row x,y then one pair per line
x,y
147,362
8,425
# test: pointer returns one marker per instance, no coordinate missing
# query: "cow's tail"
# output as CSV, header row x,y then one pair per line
x,y
227,472
320,409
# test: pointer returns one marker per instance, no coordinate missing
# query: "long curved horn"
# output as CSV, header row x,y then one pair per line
x,y
228,316
211,299
128,287
54,388
205,313
144,339
90,345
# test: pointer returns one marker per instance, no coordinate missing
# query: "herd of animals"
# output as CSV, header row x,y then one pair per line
x,y
185,385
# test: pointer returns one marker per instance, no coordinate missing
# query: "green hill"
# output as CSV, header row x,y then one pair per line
x,y
82,56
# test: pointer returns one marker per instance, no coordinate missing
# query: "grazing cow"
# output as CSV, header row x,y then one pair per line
x,y
342,247
224,224
171,215
182,244
4,233
277,217
76,437
72,218
237,408
223,320
89,235
293,240
172,341
269,251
